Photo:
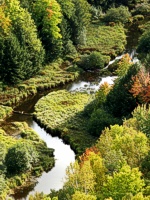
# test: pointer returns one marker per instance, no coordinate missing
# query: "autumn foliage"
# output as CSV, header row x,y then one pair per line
x,y
141,87
86,154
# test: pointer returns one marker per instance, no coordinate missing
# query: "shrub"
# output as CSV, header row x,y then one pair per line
x,y
20,157
93,61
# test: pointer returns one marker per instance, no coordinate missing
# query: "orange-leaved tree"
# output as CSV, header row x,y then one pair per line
x,y
141,87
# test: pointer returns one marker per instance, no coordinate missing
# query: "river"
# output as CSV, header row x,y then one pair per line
x,y
64,155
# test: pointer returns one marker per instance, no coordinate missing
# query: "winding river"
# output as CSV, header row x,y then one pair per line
x,y
64,155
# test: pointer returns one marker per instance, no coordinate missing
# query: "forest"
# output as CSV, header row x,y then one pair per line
x,y
46,44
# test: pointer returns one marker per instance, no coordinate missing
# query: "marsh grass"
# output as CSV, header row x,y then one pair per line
x,y
61,113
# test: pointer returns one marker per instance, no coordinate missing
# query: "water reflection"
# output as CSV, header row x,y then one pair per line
x,y
90,86
64,156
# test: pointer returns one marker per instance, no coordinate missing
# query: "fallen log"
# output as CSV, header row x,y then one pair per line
x,y
22,113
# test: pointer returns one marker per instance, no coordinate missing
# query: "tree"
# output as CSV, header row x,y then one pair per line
x,y
87,178
142,116
20,158
79,20
144,43
127,180
141,87
2,152
99,169
41,196
22,54
47,16
120,102
124,65
3,185
120,14
131,146
102,93
5,22
100,119
145,166
80,178
93,61
80,195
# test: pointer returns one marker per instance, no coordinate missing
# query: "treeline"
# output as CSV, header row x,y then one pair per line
x,y
35,33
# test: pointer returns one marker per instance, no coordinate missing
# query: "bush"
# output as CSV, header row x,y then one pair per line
x,y
120,14
93,61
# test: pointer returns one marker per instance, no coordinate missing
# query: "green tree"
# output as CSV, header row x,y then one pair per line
x,y
99,170
129,143
144,43
22,54
41,196
67,9
101,94
2,152
100,119
3,185
93,61
47,16
142,116
124,65
5,22
79,20
145,166
127,180
120,14
81,178
80,195
20,158
120,102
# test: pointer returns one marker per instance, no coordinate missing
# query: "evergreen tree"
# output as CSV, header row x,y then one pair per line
x,y
22,54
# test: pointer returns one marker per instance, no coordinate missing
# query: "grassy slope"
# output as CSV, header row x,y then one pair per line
x,y
109,40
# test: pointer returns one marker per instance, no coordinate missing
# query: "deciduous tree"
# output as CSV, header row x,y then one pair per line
x,y
127,180
47,16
